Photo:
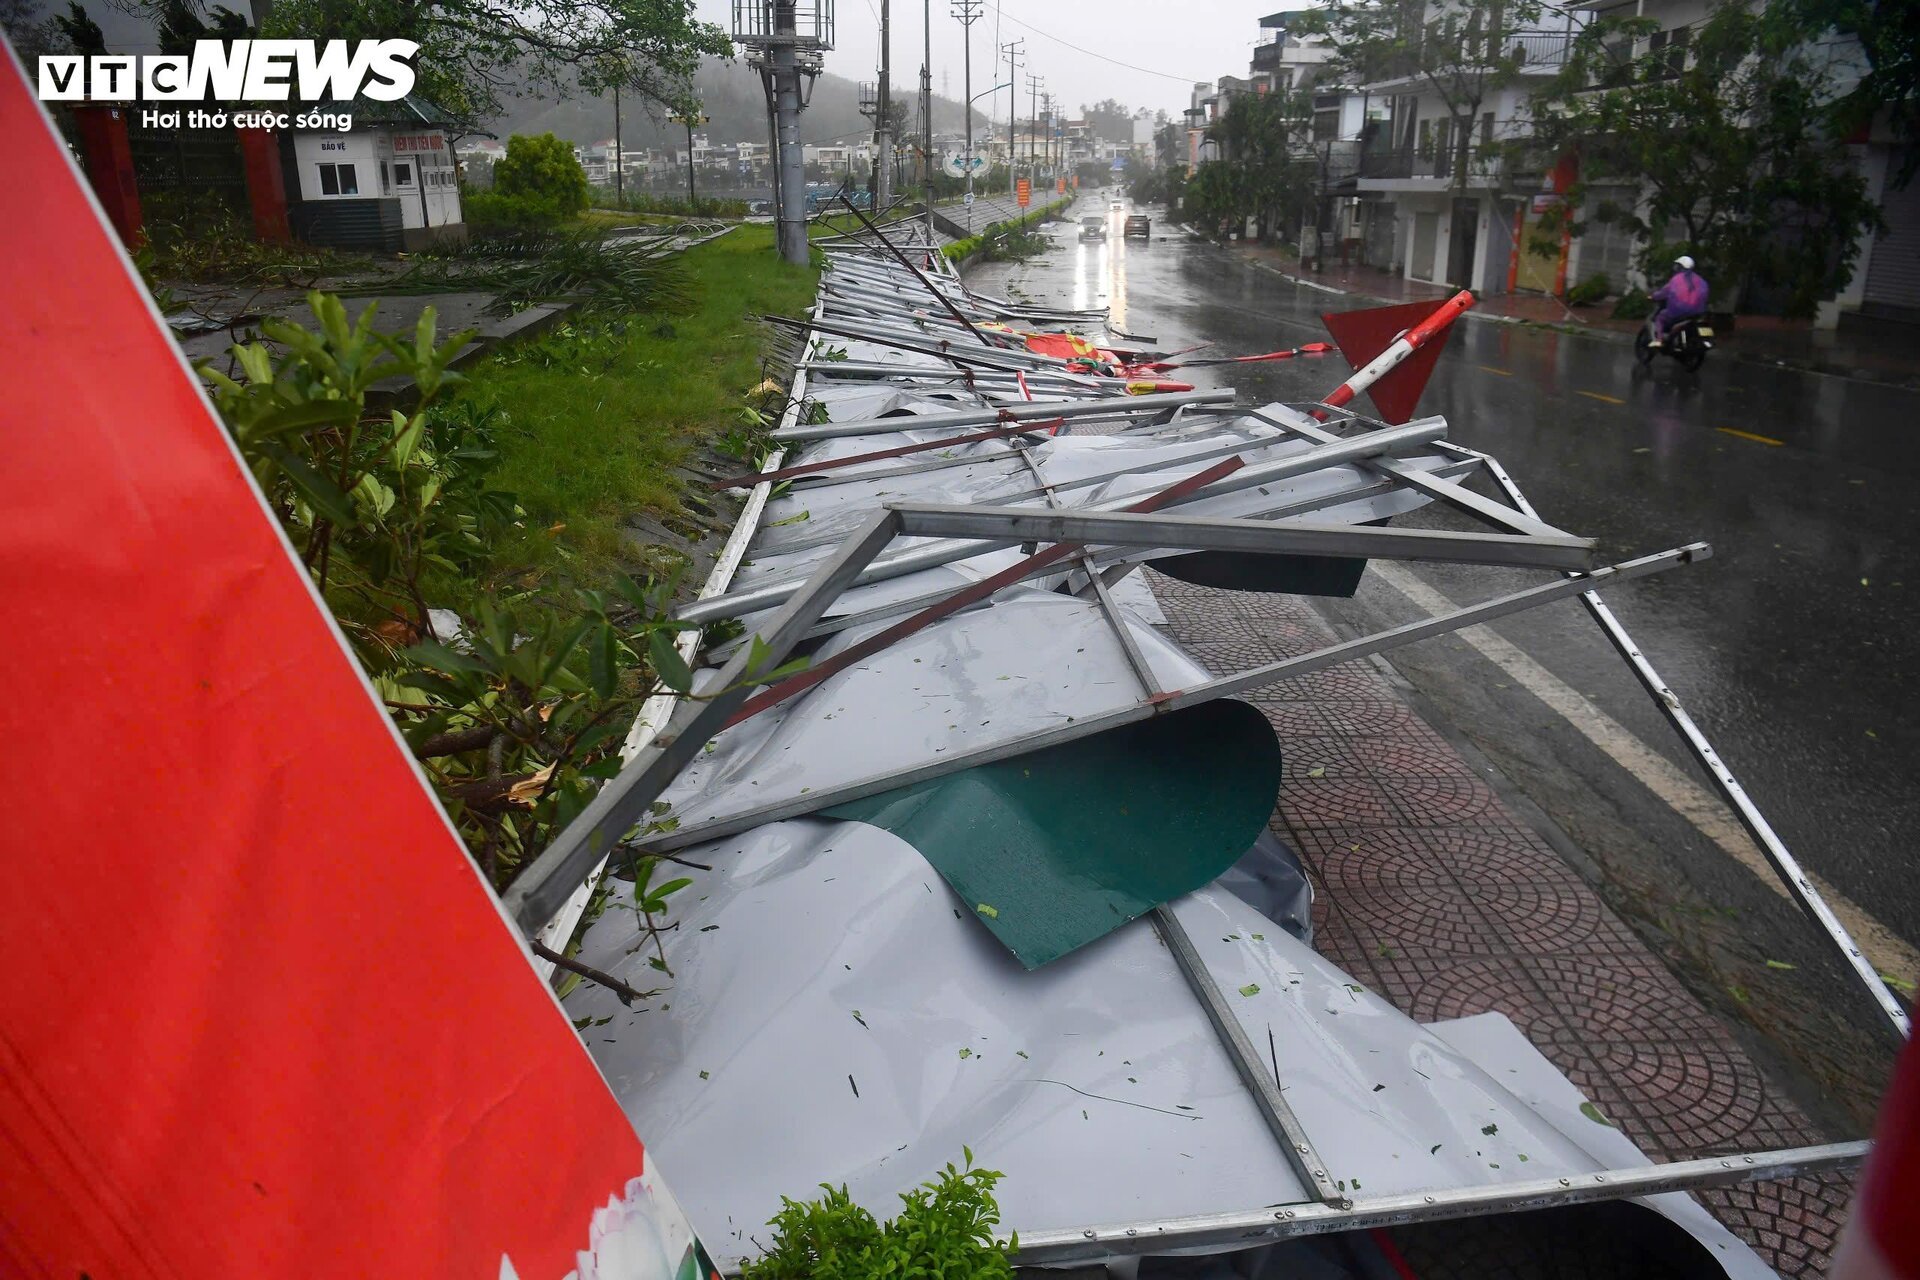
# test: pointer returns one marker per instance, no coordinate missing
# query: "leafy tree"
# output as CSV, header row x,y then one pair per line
x,y
33,35
1889,36
1111,120
1263,138
1462,51
82,33
1730,147
474,53
179,25
542,170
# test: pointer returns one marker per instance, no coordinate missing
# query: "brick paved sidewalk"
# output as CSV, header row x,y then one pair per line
x,y
1431,891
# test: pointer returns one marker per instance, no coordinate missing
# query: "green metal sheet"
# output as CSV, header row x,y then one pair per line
x,y
1056,848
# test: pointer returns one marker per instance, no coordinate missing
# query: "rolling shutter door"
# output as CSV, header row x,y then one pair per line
x,y
1893,273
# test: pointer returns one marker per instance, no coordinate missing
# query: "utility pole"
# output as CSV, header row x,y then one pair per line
x,y
619,165
968,12
883,132
1015,53
1033,124
926,104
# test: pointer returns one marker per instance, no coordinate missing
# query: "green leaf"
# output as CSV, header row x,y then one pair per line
x,y
1251,989
667,662
303,416
321,493
406,435
432,653
603,660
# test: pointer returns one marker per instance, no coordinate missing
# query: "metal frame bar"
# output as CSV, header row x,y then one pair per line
x,y
1799,886
1200,533
751,478
1287,1130
1247,1228
1115,407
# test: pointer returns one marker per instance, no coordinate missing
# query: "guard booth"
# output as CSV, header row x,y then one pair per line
x,y
391,183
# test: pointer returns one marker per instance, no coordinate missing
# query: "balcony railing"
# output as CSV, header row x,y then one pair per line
x,y
1537,50
1411,162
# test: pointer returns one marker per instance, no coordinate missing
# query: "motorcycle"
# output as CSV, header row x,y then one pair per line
x,y
1687,341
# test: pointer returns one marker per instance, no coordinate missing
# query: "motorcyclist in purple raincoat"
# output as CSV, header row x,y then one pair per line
x,y
1680,298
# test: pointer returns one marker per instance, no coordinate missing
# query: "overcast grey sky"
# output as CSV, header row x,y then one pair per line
x,y
1146,53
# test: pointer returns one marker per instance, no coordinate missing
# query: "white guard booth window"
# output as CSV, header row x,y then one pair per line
x,y
337,166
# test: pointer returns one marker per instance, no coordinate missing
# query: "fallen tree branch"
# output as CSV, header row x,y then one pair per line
x,y
626,993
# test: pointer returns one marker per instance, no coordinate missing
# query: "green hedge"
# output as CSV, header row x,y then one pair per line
x,y
960,250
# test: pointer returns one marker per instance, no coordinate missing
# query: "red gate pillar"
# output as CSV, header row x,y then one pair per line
x,y
266,185
109,161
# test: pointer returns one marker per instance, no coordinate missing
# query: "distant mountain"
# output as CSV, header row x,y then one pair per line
x,y
732,98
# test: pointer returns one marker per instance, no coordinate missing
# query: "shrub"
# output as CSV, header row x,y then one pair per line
x,y
544,169
945,1228
1589,291
497,211
1634,304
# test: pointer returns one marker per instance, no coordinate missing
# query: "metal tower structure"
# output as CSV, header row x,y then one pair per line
x,y
786,41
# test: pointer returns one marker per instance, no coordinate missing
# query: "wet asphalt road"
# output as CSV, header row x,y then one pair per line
x,y
1795,646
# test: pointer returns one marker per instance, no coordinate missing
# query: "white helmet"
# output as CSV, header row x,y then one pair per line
x,y
1683,262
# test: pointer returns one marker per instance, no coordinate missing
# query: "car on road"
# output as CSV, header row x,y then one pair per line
x,y
1093,228
1138,225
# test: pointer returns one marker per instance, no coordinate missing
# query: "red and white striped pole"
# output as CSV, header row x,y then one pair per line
x,y
1400,348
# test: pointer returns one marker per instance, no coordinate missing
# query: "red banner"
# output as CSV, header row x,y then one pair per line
x,y
1023,192
261,1016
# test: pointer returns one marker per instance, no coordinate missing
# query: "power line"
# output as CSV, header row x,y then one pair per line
x,y
1189,80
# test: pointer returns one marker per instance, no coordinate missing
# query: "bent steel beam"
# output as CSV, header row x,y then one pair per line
x,y
1199,533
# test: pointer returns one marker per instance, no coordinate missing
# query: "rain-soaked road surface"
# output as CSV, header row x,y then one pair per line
x,y
1796,646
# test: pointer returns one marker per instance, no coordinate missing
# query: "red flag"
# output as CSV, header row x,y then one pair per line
x,y
261,1016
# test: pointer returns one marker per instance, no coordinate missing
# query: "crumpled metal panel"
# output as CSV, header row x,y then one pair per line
x,y
838,1015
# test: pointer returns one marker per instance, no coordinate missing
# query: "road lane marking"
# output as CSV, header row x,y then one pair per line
x,y
1505,373
1748,435
1597,396
1889,952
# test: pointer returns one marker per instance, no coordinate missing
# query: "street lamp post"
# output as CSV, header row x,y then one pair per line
x,y
690,118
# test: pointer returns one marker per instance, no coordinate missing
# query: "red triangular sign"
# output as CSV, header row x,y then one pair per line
x,y
1362,335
